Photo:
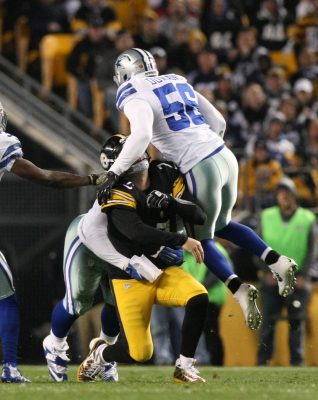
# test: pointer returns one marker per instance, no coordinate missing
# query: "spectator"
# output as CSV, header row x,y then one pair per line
x,y
307,65
291,230
272,21
105,75
289,108
281,149
258,178
242,57
205,76
150,35
45,17
185,49
160,56
262,61
311,141
225,90
177,14
276,85
83,60
251,117
304,93
220,24
92,9
305,33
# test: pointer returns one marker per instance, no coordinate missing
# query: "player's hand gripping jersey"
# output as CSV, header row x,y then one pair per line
x,y
10,150
167,111
132,224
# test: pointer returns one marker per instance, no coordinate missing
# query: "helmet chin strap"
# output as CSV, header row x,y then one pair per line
x,y
139,166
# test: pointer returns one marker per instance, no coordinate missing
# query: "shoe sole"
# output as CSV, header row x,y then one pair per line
x,y
78,375
176,380
254,317
290,281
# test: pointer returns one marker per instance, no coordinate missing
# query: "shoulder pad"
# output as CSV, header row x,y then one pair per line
x,y
124,194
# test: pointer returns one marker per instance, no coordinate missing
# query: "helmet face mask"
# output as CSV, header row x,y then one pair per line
x,y
132,62
3,118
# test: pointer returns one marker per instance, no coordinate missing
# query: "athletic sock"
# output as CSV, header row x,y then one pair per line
x,y
62,321
110,324
108,339
117,352
184,362
243,236
215,260
193,323
272,257
234,284
9,328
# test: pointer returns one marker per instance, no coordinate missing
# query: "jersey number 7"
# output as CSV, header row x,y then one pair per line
x,y
179,114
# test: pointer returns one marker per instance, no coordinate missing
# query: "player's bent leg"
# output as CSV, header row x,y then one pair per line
x,y
178,288
134,301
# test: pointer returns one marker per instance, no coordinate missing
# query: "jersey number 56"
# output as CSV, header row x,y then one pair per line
x,y
179,114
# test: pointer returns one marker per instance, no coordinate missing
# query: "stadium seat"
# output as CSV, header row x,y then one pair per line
x,y
54,50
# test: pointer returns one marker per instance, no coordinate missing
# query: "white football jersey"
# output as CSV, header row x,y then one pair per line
x,y
93,233
180,131
10,150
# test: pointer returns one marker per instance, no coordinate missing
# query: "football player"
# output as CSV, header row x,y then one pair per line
x,y
89,254
11,160
186,128
131,229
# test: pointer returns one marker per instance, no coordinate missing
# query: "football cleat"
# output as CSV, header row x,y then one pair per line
x,y
246,296
284,271
190,374
57,360
11,374
93,364
109,372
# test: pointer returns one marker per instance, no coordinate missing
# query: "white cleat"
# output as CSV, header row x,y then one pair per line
x,y
109,372
246,296
12,374
93,364
190,374
284,271
57,360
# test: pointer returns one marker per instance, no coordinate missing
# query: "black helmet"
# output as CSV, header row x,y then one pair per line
x,y
111,150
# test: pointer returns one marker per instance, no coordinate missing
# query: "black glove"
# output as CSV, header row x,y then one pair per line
x,y
104,192
156,199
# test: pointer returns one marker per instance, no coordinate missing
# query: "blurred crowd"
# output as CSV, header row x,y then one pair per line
x,y
257,62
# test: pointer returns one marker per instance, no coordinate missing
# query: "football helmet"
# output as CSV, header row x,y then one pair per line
x,y
111,150
132,62
3,118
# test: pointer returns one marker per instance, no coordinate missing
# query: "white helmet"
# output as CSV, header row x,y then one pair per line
x,y
132,62
3,118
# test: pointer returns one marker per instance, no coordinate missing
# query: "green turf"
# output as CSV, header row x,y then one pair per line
x,y
141,383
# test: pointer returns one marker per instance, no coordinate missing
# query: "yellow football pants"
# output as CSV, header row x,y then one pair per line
x,y
134,301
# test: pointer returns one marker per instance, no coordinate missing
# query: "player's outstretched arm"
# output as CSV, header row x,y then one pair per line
x,y
27,170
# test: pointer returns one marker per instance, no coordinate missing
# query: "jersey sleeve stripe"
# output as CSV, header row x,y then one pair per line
x,y
120,198
124,96
119,93
123,194
11,149
178,187
125,203
9,159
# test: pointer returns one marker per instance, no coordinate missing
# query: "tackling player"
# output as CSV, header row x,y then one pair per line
x,y
11,160
88,257
186,128
131,227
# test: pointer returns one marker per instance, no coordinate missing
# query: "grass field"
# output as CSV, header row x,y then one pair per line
x,y
143,383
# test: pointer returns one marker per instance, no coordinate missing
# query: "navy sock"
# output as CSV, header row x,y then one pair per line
x,y
62,321
244,237
215,260
9,328
110,324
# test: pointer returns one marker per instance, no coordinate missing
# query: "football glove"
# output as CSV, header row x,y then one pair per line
x,y
156,199
171,256
104,192
96,179
133,273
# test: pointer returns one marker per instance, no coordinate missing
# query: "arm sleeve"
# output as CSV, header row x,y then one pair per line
x,y
212,116
188,211
129,224
140,116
